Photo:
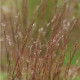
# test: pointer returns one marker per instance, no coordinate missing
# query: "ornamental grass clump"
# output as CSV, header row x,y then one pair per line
x,y
36,49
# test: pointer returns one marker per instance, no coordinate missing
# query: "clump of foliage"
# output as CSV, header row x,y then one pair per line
x,y
36,49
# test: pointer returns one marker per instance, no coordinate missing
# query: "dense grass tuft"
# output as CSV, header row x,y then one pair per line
x,y
36,41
